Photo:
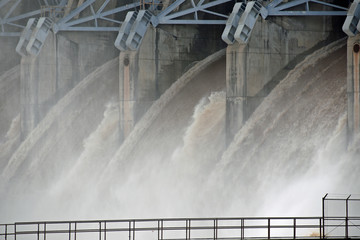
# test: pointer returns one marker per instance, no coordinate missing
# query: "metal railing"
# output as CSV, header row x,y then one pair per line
x,y
195,229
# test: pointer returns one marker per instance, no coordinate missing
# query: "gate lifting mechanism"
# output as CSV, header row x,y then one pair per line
x,y
34,26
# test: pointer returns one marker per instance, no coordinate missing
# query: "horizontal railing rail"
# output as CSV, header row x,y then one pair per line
x,y
185,228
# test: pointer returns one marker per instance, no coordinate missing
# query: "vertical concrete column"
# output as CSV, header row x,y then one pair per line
x,y
353,86
126,94
46,78
236,88
37,85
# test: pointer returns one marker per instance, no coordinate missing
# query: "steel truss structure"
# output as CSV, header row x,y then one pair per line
x,y
13,20
86,17
305,8
131,18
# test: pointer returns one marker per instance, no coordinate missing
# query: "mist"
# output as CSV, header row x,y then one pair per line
x,y
287,156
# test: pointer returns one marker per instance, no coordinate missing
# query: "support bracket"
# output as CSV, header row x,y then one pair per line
x,y
247,22
351,25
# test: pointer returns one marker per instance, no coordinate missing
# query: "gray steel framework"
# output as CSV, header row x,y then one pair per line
x,y
278,8
12,22
189,14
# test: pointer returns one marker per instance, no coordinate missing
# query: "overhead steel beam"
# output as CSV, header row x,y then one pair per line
x,y
275,8
70,23
3,2
167,18
308,13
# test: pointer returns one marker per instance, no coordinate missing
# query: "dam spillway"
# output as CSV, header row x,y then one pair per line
x,y
74,160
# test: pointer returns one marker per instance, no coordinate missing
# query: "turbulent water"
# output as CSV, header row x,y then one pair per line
x,y
54,146
175,164
293,148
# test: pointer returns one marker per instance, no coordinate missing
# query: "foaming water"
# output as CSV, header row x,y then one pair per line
x,y
168,187
290,152
84,174
204,139
10,142
284,158
9,98
55,144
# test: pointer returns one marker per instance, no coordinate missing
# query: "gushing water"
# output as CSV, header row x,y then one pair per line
x,y
293,148
289,153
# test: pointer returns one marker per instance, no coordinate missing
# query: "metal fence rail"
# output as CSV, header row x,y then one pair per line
x,y
194,228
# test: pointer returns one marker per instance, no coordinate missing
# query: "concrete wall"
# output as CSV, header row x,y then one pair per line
x,y
46,78
8,56
275,46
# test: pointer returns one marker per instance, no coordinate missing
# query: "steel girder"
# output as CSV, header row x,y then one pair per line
x,y
13,21
72,22
303,8
189,15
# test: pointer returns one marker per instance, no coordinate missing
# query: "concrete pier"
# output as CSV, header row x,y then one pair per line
x,y
46,78
353,86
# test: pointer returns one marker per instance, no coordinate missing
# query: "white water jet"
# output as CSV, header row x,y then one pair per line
x,y
274,161
10,142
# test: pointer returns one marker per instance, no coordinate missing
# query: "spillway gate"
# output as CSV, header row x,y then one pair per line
x,y
187,229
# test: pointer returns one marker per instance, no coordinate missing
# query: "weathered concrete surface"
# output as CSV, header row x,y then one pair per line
x,y
46,78
165,54
353,87
254,69
9,98
94,49
8,58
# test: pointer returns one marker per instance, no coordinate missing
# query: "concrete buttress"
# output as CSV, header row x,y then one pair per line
x,y
353,87
46,78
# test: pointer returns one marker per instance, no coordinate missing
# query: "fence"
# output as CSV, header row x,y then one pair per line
x,y
194,229
340,210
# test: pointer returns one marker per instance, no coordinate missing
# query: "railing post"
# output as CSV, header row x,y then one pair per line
x,y
323,214
38,231
321,229
5,231
294,228
242,229
99,230
160,229
44,230
268,228
104,230
133,230
69,230
75,230
347,218
215,229
187,229
129,230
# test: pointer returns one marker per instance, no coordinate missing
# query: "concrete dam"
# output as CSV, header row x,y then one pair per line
x,y
188,123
